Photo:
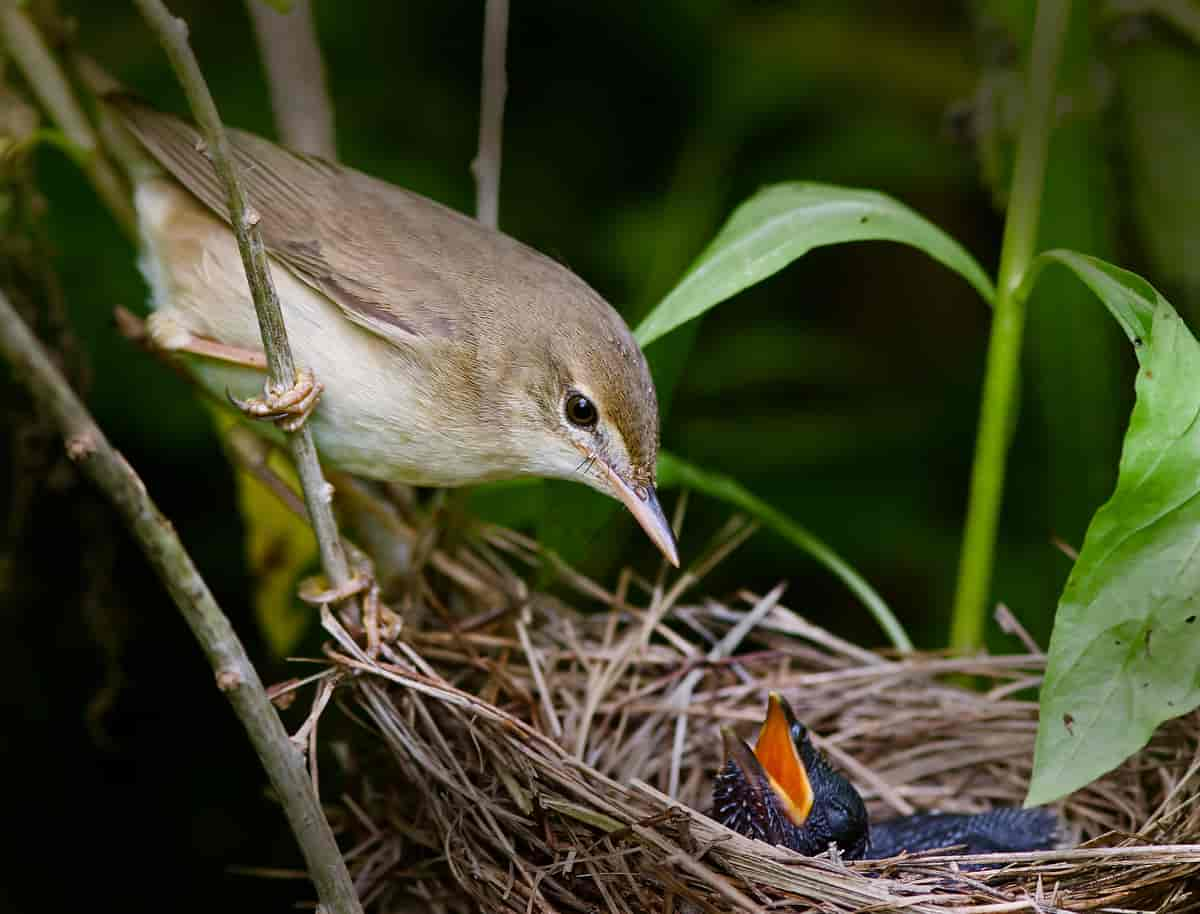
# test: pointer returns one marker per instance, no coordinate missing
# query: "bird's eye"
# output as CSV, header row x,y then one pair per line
x,y
581,411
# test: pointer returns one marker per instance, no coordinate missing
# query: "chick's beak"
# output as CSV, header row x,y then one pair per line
x,y
642,502
780,758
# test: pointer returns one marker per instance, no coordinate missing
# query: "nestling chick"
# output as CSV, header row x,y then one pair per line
x,y
784,792
450,354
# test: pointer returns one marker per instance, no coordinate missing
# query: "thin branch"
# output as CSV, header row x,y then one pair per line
x,y
46,80
486,167
296,76
235,675
318,494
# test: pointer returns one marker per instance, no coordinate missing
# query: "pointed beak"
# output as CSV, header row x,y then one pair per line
x,y
779,756
642,502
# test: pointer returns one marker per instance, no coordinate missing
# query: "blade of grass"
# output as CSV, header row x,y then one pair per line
x,y
672,471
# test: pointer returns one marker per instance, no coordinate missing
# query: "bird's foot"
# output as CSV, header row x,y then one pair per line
x,y
313,593
289,408
379,622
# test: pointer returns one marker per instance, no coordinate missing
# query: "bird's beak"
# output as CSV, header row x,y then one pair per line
x,y
779,756
642,503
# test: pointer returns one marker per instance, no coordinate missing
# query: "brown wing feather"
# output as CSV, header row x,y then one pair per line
x,y
382,254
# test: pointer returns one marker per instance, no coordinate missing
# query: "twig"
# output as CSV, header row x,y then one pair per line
x,y
318,494
295,76
235,675
486,167
46,80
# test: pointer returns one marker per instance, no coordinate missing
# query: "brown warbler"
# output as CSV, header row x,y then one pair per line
x,y
446,353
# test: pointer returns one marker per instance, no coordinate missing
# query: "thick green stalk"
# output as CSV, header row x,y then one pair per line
x,y
1004,349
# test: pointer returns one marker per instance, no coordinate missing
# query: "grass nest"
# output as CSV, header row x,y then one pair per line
x,y
518,754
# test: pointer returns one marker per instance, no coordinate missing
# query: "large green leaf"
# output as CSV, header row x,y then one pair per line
x,y
673,471
1125,653
785,221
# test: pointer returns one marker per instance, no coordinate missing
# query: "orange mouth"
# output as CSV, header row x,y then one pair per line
x,y
780,758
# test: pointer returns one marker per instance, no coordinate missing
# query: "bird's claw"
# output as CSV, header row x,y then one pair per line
x,y
288,408
312,593
378,621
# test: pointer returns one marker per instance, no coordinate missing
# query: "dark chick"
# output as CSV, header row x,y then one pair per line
x,y
785,792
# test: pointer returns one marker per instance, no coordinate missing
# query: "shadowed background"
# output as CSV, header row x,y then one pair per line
x,y
843,391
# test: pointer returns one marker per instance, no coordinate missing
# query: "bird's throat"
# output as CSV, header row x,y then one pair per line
x,y
780,759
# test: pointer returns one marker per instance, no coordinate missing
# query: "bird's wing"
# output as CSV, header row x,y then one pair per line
x,y
395,262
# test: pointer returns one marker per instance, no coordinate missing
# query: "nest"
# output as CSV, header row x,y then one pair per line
x,y
521,755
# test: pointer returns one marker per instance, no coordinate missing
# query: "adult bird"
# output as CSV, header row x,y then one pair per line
x,y
785,792
444,353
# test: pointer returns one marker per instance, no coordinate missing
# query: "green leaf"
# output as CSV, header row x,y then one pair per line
x,y
785,221
1125,652
1130,299
280,6
675,472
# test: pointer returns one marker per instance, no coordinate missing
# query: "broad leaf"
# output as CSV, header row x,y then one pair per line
x,y
672,471
1125,653
785,221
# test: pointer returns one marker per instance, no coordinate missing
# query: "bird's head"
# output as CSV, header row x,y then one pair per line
x,y
590,411
784,792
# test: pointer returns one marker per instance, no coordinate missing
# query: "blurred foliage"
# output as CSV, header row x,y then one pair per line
x,y
843,391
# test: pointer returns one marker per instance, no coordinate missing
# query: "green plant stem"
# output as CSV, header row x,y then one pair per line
x,y
47,82
235,674
318,494
1000,383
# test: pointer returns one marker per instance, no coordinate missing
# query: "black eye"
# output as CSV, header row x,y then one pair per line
x,y
581,411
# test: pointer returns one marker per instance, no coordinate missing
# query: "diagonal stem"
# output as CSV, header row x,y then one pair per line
x,y
325,864
318,494
235,674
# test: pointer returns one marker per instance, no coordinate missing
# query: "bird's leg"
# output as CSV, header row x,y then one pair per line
x,y
310,591
288,408
378,622
165,332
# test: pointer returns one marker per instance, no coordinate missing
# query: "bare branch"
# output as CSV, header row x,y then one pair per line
x,y
172,33
486,166
46,80
234,674
296,76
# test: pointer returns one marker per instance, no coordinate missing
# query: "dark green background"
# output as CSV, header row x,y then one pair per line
x,y
843,390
